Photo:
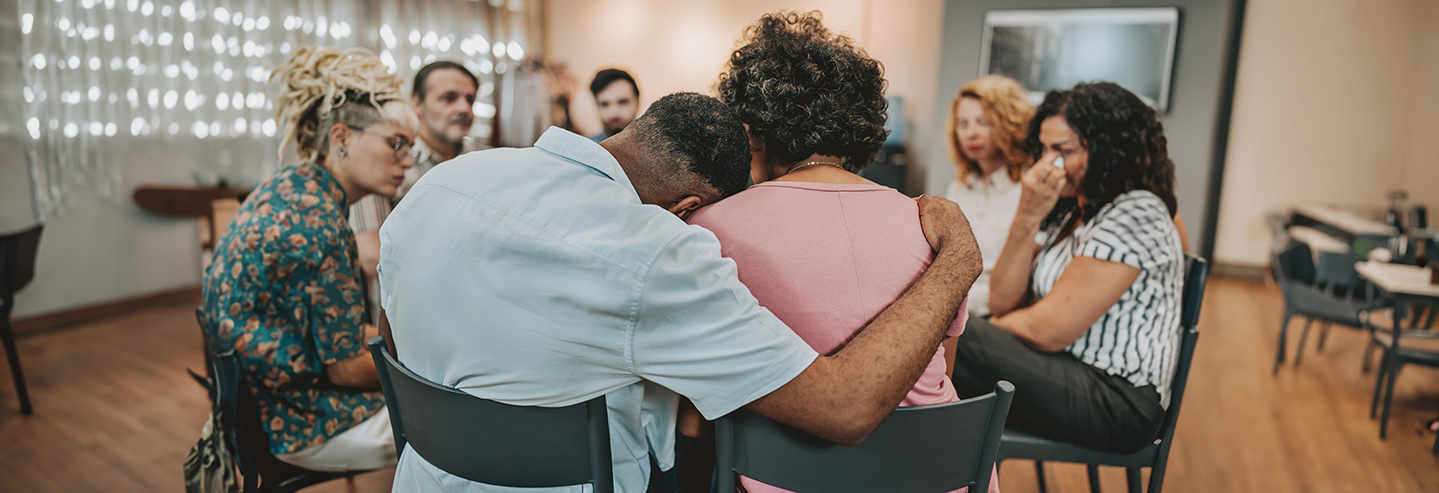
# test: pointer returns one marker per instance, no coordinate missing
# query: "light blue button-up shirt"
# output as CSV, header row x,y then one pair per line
x,y
536,277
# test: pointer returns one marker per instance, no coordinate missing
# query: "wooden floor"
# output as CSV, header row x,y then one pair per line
x,y
116,412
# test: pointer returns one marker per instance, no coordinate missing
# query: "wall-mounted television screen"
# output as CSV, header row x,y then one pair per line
x,y
1056,49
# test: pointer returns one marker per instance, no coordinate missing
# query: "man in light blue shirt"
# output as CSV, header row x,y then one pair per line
x,y
551,275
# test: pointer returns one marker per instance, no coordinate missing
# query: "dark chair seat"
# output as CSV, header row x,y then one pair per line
x,y
1022,445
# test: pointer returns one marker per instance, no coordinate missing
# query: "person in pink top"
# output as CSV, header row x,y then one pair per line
x,y
826,250
818,245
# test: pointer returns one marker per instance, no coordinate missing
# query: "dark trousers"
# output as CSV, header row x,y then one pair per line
x,y
1056,395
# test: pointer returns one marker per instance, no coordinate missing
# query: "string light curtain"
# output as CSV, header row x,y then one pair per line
x,y
189,72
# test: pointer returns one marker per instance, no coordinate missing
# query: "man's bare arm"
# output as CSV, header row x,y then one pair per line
x,y
843,397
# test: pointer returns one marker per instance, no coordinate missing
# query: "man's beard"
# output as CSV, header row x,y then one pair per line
x,y
453,132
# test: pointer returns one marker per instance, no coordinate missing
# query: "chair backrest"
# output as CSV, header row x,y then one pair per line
x,y
941,447
17,259
1196,275
1336,270
494,443
1294,264
234,402
1279,229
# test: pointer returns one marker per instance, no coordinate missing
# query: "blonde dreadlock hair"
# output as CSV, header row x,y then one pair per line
x,y
324,86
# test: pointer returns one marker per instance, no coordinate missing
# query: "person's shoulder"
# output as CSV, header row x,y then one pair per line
x,y
1140,206
727,208
1137,220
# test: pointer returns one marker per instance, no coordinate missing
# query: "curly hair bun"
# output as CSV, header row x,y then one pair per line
x,y
804,90
316,81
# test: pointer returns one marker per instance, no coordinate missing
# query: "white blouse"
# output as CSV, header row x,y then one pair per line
x,y
1138,337
990,205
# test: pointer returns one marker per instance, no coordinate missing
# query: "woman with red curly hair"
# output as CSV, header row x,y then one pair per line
x,y
987,126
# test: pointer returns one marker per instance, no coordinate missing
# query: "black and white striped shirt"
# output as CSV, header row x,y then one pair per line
x,y
1138,338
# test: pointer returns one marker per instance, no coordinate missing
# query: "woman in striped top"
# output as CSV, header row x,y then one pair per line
x,y
1086,292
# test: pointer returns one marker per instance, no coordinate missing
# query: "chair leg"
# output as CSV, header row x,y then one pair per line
x,y
1368,355
1303,337
1436,445
1135,483
1393,372
13,355
1323,335
1378,384
1156,476
1039,475
1093,478
1283,338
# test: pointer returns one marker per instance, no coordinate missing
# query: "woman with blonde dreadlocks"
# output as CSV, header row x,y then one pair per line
x,y
284,288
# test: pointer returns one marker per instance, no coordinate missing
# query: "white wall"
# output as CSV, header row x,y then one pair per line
x,y
1420,172
681,46
103,249
17,210
1334,102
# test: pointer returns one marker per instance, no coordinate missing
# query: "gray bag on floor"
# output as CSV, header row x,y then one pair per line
x,y
210,467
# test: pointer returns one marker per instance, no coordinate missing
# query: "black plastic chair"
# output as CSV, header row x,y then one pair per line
x,y
1021,445
1400,347
1328,291
494,443
17,268
234,402
935,448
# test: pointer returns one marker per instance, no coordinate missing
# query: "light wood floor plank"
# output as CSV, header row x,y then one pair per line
x,y
115,411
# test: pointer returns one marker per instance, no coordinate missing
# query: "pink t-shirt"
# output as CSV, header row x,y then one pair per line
x,y
827,259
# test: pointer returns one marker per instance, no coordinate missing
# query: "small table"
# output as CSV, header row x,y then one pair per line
x,y
1344,221
189,201
184,200
1317,240
1400,281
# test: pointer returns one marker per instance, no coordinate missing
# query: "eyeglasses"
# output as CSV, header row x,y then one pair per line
x,y
399,144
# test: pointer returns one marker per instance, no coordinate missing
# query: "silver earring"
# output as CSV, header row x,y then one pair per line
x,y
342,152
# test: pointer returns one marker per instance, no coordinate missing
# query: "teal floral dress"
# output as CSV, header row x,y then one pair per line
x,y
284,290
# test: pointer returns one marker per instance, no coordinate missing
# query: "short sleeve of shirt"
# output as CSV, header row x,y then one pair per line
x,y
956,328
699,332
325,288
1135,230
369,213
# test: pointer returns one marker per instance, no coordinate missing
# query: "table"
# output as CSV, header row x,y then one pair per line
x,y
1345,221
184,200
190,201
1318,241
1402,281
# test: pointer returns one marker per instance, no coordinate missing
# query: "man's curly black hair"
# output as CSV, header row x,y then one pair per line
x,y
699,135
1126,144
803,90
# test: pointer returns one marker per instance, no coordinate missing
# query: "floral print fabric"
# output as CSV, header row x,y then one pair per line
x,y
284,290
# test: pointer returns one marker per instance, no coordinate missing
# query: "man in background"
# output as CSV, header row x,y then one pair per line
x,y
618,99
444,99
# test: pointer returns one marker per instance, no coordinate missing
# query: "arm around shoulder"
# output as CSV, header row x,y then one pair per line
x,y
843,397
